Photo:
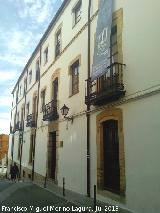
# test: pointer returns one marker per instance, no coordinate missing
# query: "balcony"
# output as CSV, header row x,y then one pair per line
x,y
50,111
108,87
31,120
18,126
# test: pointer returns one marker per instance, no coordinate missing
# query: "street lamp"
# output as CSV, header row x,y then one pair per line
x,y
64,111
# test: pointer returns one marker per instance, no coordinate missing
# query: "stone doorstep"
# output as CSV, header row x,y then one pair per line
x,y
75,198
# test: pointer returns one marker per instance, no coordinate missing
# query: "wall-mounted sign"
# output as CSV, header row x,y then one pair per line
x,y
101,59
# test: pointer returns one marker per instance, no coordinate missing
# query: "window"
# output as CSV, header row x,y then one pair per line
x,y
114,44
25,85
46,55
14,121
30,76
37,71
27,113
75,77
22,117
17,96
34,109
58,43
43,93
20,90
77,12
17,117
55,89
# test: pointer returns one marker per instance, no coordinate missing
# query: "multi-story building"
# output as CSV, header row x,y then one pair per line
x,y
110,137
4,141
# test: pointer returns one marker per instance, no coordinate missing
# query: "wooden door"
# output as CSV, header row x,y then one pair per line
x,y
111,156
52,155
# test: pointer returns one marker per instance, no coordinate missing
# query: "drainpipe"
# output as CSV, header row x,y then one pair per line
x,y
88,105
34,144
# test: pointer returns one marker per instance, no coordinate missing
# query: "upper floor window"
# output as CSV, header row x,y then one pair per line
x,y
77,12
25,85
34,109
46,55
30,76
22,114
20,90
75,77
58,43
37,71
43,94
55,89
27,111
18,117
17,96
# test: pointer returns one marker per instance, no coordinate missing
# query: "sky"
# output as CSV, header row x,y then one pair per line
x,y
22,24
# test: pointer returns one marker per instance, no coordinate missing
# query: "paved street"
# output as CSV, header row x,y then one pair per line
x,y
28,197
4,185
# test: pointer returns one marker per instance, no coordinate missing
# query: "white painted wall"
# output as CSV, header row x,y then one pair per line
x,y
72,156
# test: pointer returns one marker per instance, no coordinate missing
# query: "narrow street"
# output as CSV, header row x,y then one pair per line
x,y
28,197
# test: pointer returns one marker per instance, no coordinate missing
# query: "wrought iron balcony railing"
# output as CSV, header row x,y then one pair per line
x,y
50,111
31,120
108,87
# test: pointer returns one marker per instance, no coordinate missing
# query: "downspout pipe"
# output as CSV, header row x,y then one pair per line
x,y
88,104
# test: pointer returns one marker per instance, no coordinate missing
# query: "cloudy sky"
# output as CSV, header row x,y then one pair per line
x,y
22,23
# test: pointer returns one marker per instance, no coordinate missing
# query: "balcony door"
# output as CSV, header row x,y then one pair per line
x,y
55,89
111,156
35,105
52,155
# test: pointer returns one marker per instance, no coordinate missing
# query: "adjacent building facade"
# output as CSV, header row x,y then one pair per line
x,y
110,136
4,141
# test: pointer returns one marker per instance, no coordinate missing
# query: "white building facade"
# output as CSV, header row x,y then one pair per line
x,y
114,143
